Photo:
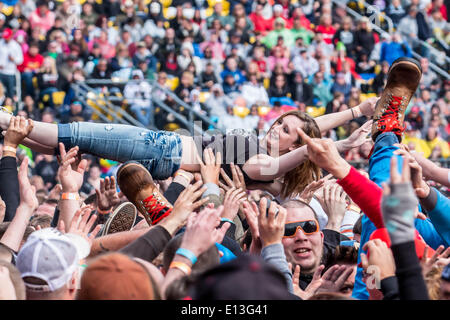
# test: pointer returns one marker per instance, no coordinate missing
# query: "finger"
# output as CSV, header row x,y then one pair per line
x,y
61,226
16,123
364,261
90,223
329,273
406,170
218,159
22,122
446,254
318,273
421,216
30,126
82,166
344,276
306,139
62,150
234,175
424,256
437,253
223,186
199,203
226,178
198,193
241,176
75,220
386,189
23,170
38,227
199,159
296,276
102,185
206,157
112,183
395,177
94,232
86,213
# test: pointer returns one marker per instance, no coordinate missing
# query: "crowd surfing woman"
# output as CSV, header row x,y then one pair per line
x,y
277,163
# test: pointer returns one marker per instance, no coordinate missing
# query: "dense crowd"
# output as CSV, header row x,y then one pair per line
x,y
79,220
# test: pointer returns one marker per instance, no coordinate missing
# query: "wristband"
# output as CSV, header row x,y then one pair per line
x,y
70,196
187,254
103,211
10,149
181,266
352,207
226,220
184,175
353,114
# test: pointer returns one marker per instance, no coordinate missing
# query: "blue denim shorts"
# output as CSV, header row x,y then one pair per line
x,y
158,151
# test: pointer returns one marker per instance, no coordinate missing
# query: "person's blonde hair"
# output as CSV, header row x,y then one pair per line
x,y
299,177
433,282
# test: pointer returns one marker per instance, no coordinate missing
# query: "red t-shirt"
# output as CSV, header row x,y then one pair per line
x,y
328,33
32,63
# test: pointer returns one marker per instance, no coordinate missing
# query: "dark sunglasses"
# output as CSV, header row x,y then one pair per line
x,y
308,227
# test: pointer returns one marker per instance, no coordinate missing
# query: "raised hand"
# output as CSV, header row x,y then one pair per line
x,y
311,188
420,186
107,196
333,202
81,224
324,153
440,258
359,136
251,212
71,180
232,201
367,107
210,168
271,226
238,178
311,289
27,191
202,232
333,280
19,128
184,206
380,256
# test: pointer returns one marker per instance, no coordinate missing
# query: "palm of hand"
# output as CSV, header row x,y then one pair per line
x,y
70,179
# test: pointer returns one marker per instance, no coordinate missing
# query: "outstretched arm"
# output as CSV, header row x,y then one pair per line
x,y
266,168
336,119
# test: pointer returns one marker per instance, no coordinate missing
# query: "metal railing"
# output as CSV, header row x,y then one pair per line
x,y
110,106
378,29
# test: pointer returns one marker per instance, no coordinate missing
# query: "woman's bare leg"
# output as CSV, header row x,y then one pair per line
x,y
36,146
189,160
43,133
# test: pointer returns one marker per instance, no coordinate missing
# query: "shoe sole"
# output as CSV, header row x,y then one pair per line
x,y
133,199
122,219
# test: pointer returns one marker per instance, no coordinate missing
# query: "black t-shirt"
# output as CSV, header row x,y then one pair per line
x,y
236,147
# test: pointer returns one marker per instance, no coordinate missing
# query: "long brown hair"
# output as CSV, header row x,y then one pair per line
x,y
298,178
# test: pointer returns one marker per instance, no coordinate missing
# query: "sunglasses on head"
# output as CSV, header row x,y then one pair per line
x,y
308,227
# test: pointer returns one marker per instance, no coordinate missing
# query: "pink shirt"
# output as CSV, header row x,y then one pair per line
x,y
44,23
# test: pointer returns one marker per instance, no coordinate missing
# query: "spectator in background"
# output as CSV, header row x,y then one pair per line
x,y
102,70
253,91
341,86
395,11
325,27
47,79
10,57
32,62
302,93
395,49
321,90
364,37
428,75
138,94
75,113
42,17
415,118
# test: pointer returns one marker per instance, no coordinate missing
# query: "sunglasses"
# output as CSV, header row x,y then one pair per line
x,y
308,227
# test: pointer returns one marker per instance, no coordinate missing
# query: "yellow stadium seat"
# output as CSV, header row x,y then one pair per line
x,y
364,96
171,127
315,111
58,97
7,10
377,69
35,82
266,83
166,3
241,111
209,12
204,95
173,83
263,110
45,98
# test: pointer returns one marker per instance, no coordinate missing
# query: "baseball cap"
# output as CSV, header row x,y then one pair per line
x,y
415,109
7,33
52,257
115,277
278,8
